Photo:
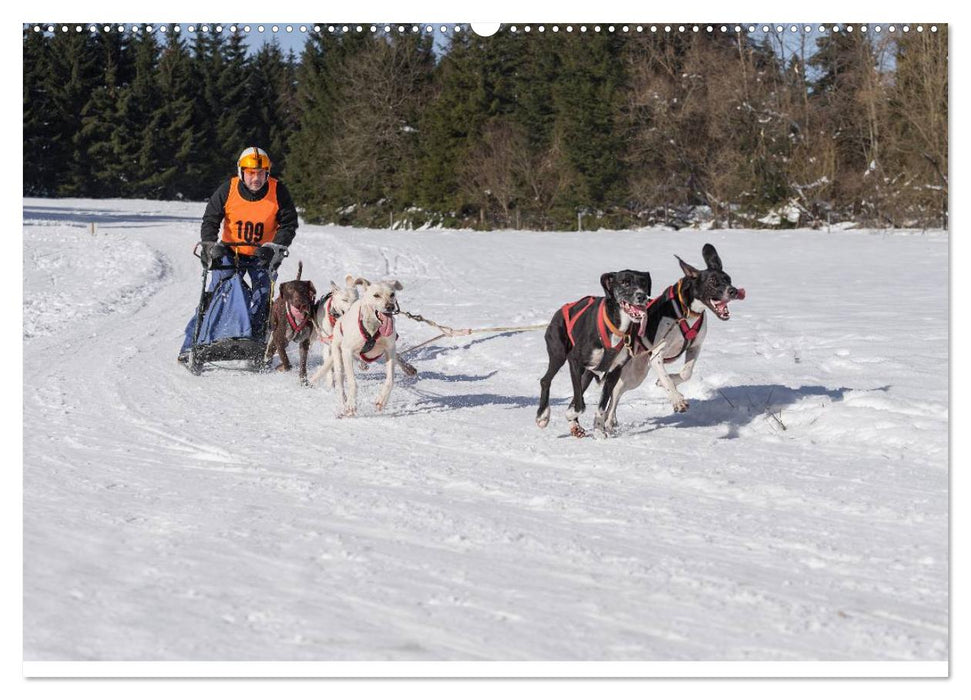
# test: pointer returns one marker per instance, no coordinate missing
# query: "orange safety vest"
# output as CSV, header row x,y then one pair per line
x,y
250,222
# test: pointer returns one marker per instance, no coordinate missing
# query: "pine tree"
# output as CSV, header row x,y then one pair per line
x,y
319,94
124,159
587,96
42,161
450,122
177,141
271,118
233,98
74,75
208,67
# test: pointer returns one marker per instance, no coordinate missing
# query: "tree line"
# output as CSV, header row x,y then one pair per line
x,y
541,130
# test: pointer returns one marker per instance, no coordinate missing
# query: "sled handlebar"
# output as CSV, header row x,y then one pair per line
x,y
235,265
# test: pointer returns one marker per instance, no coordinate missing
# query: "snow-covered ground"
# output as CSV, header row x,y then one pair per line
x,y
797,512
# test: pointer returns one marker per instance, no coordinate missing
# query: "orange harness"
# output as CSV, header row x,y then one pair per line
x,y
603,323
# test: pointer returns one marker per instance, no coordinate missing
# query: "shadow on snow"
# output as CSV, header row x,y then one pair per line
x,y
738,406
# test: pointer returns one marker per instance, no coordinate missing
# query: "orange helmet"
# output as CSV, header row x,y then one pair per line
x,y
252,158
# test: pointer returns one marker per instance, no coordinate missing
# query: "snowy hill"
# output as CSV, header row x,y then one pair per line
x,y
796,512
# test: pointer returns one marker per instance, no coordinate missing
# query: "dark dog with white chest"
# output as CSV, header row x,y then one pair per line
x,y
291,322
674,326
593,334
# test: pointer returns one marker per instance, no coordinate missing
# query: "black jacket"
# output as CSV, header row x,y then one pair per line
x,y
212,220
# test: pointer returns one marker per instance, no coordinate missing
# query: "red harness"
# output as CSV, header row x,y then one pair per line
x,y
689,332
603,323
294,326
331,316
370,340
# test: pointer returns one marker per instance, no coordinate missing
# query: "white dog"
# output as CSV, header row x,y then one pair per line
x,y
366,332
328,310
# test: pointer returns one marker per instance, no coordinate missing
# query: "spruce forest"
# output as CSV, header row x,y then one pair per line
x,y
527,131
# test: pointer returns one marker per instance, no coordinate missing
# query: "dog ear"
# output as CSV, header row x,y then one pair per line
x,y
396,285
335,288
360,280
313,290
688,270
607,281
711,257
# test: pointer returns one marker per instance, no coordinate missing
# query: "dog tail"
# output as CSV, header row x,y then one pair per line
x,y
299,269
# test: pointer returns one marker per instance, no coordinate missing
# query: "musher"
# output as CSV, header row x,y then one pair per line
x,y
249,208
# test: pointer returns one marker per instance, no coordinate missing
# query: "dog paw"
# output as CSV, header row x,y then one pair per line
x,y
577,431
379,405
600,434
680,406
543,419
349,411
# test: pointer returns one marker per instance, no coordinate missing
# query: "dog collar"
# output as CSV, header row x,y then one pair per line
x,y
604,324
296,327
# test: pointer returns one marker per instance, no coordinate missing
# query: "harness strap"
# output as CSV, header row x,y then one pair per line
x,y
294,326
603,324
571,322
689,332
331,316
326,301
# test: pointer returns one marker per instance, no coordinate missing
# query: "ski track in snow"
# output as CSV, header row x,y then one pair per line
x,y
797,511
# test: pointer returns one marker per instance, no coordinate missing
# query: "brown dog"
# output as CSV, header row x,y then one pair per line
x,y
291,321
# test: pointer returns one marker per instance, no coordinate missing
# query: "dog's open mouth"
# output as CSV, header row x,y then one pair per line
x,y
721,307
635,312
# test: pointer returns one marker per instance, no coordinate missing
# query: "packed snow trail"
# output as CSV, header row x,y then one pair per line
x,y
797,511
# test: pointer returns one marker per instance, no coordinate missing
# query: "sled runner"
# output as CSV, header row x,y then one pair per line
x,y
231,319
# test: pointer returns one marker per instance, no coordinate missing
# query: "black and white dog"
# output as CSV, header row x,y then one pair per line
x,y
674,326
593,334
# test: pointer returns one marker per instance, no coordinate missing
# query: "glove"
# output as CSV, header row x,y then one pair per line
x,y
271,255
211,252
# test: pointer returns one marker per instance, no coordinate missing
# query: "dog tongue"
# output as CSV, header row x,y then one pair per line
x,y
741,294
387,324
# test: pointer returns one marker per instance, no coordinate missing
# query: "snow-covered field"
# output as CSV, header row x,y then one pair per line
x,y
797,512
